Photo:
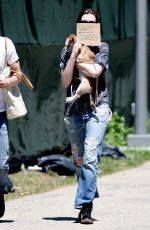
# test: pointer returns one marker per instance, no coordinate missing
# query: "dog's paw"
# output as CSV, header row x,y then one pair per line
x,y
69,99
72,99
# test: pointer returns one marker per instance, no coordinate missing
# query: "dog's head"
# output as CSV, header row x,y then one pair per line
x,y
85,56
71,40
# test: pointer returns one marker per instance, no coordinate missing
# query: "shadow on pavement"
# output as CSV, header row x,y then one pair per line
x,y
6,221
64,218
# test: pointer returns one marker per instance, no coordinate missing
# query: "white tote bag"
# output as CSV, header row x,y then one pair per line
x,y
15,106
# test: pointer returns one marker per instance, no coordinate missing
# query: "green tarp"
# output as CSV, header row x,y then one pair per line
x,y
39,28
50,21
43,127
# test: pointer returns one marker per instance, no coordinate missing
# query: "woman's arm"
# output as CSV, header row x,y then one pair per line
x,y
67,73
101,62
14,79
90,70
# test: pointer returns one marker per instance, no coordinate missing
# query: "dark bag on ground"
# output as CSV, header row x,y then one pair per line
x,y
57,163
112,151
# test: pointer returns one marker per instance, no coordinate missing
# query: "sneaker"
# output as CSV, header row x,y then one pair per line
x,y
2,205
85,214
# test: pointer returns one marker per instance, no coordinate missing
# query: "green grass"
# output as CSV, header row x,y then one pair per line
x,y
133,158
28,182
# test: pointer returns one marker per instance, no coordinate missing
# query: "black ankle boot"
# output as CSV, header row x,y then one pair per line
x,y
85,214
2,205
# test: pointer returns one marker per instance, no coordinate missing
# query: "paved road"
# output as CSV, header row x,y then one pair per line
x,y
124,205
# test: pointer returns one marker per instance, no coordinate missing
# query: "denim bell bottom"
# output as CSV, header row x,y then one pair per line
x,y
86,133
4,147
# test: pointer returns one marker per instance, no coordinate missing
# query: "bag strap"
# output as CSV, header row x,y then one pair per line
x,y
5,51
22,75
96,88
24,78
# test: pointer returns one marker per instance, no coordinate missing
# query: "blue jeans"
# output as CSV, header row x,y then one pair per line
x,y
3,151
86,133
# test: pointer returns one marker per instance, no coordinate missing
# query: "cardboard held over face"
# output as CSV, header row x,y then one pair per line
x,y
89,33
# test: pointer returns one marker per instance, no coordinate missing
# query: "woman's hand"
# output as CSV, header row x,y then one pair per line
x,y
76,49
4,83
14,79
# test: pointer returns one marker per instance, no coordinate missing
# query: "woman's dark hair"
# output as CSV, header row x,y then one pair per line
x,y
88,11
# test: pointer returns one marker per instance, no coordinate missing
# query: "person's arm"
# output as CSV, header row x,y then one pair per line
x,y
100,63
90,70
67,73
14,79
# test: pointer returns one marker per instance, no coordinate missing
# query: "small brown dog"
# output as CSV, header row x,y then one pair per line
x,y
85,56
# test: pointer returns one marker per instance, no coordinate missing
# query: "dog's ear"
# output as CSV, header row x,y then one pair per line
x,y
92,55
71,40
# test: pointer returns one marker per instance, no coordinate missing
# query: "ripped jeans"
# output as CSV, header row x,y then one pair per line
x,y
3,151
86,133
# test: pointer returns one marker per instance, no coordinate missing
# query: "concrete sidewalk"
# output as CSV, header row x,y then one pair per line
x,y
124,205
